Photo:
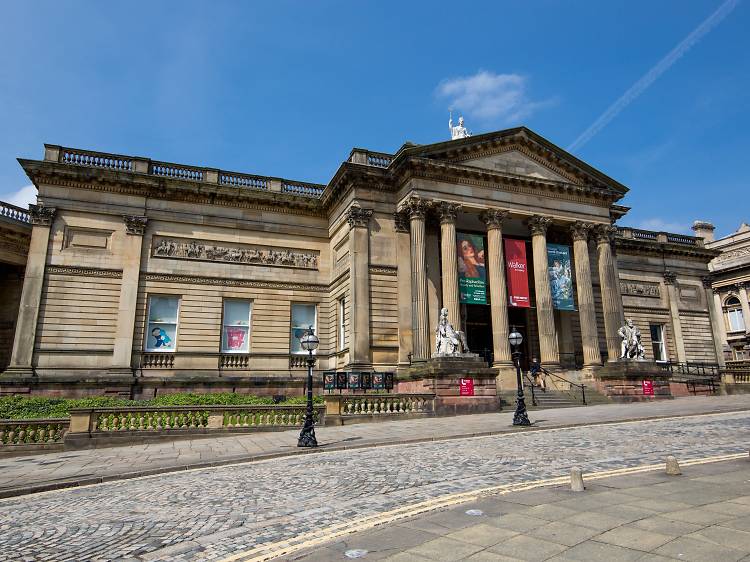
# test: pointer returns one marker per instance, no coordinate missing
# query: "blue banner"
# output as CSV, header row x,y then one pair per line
x,y
560,276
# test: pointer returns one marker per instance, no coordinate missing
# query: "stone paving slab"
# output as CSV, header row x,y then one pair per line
x,y
498,533
49,471
215,513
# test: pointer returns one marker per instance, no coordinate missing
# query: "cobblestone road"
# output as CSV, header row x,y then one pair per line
x,y
209,514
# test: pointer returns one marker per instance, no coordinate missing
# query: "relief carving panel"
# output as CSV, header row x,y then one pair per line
x,y
640,289
250,254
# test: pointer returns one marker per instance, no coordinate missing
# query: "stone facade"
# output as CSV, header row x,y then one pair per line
x,y
137,269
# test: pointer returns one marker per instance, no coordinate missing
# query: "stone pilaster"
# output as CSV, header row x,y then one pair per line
x,y
670,278
721,326
449,268
416,209
403,263
717,322
610,287
743,287
494,218
359,279
586,308
132,245
549,350
31,295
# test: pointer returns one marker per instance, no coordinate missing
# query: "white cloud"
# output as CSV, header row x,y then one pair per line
x,y
21,198
490,97
665,226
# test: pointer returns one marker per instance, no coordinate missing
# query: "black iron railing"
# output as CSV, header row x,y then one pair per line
x,y
581,387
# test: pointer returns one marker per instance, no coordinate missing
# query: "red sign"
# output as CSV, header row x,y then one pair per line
x,y
235,338
466,387
648,388
517,273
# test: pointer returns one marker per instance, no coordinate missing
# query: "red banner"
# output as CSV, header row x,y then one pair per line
x,y
466,387
517,272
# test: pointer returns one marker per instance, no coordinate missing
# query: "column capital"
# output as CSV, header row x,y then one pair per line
x,y
670,277
743,285
447,211
41,215
401,222
604,233
493,218
415,207
539,224
134,224
707,282
579,230
357,217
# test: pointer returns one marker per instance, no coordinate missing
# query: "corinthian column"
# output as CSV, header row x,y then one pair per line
x,y
448,212
403,258
610,286
135,226
359,277
494,218
586,308
416,209
31,294
549,351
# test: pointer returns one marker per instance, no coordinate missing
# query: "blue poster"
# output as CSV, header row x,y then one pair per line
x,y
560,276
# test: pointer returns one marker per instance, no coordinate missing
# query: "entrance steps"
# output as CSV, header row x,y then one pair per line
x,y
553,398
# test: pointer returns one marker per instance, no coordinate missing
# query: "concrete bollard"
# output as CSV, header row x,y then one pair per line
x,y
673,467
576,479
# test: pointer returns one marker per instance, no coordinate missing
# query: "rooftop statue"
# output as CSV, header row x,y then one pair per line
x,y
459,132
631,347
449,341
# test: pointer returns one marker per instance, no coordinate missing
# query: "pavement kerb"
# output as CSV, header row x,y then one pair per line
x,y
242,459
262,553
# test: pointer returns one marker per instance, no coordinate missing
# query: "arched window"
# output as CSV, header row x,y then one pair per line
x,y
733,310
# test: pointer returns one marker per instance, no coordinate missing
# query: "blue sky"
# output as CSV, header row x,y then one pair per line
x,y
288,88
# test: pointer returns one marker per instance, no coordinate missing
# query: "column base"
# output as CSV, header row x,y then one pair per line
x,y
12,372
506,376
589,371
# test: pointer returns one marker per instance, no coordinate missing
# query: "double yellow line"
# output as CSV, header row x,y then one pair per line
x,y
315,538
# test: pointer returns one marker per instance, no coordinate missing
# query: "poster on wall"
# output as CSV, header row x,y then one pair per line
x,y
517,273
472,273
560,276
236,338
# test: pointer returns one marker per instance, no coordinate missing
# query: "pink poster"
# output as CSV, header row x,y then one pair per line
x,y
235,338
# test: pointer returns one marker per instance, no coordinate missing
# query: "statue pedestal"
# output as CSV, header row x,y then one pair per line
x,y
442,375
622,380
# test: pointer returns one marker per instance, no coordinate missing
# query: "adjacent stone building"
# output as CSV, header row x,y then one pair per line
x,y
145,276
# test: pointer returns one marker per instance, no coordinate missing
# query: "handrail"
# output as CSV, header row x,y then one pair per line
x,y
571,383
531,386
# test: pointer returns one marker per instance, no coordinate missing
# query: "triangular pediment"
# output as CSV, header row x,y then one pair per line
x,y
512,160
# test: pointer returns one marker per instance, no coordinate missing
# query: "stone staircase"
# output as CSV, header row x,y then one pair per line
x,y
550,399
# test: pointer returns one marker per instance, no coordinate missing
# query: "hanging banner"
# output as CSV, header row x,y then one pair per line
x,y
517,273
560,276
472,274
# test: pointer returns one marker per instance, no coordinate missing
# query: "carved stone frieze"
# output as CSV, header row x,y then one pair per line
x,y
383,270
134,224
357,217
580,230
448,212
41,215
84,271
733,255
186,249
539,224
670,277
225,282
640,289
493,218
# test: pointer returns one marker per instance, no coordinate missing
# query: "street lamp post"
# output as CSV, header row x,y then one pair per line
x,y
519,417
309,342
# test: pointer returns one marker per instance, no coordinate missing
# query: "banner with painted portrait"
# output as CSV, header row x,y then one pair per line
x,y
560,276
472,273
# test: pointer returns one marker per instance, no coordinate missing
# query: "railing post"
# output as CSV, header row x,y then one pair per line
x,y
274,185
333,409
215,420
52,152
583,393
142,165
211,175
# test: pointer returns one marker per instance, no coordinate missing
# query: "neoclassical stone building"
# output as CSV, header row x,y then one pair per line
x,y
172,276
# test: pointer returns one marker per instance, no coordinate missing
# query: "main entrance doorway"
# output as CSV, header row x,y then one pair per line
x,y
477,322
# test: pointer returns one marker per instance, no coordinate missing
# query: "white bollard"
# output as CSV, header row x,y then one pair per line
x,y
673,467
576,479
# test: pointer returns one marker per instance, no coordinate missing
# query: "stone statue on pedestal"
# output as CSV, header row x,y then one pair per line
x,y
631,347
459,132
449,341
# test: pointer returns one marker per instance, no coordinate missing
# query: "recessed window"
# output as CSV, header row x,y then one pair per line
x,y
303,317
161,330
734,315
657,342
235,329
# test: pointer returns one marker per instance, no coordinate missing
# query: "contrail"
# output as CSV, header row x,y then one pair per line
x,y
650,77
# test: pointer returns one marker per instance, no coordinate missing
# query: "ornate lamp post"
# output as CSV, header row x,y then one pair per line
x,y
520,417
309,342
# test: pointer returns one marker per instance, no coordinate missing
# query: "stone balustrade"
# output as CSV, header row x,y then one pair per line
x,y
32,434
119,162
340,407
662,237
370,158
14,213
